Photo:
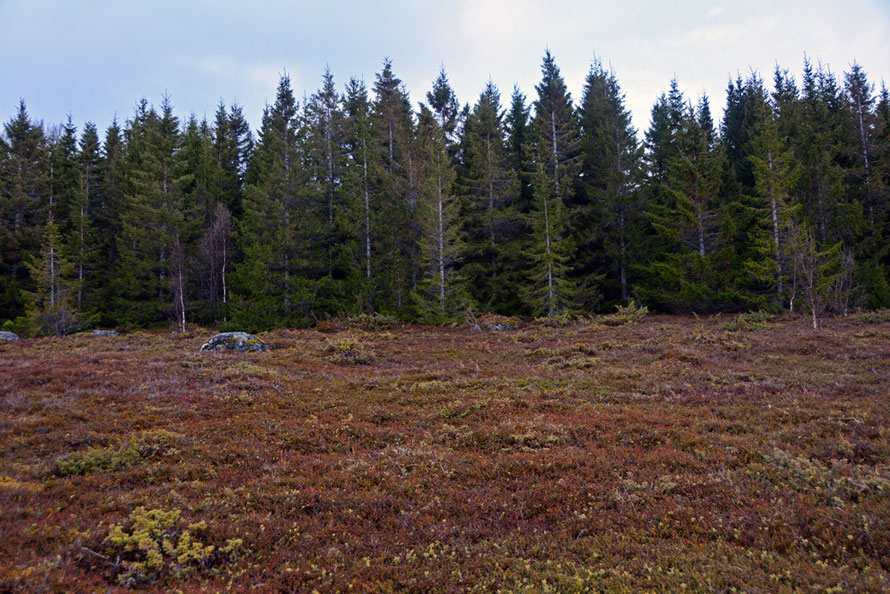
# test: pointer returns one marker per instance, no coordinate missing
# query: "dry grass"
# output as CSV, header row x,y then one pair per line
x,y
668,454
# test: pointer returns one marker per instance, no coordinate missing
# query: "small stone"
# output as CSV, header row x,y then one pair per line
x,y
8,336
104,333
235,341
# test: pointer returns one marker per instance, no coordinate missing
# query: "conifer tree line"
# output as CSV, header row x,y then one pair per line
x,y
359,200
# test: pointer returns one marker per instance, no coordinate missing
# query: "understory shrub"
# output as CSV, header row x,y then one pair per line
x,y
349,351
627,314
753,320
374,321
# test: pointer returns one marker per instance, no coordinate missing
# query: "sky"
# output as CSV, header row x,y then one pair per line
x,y
94,59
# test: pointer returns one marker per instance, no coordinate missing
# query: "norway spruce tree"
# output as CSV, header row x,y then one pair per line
x,y
155,215
556,155
520,147
694,268
775,175
490,221
269,290
609,204
24,206
232,145
362,210
548,290
864,187
398,186
83,246
49,307
438,295
325,157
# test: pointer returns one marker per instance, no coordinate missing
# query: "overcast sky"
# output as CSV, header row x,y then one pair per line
x,y
96,58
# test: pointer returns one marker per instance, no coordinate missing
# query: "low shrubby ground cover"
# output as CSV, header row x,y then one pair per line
x,y
661,454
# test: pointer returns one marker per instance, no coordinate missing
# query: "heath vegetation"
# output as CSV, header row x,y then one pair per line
x,y
716,453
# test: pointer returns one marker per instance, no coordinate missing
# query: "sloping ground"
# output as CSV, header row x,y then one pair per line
x,y
667,455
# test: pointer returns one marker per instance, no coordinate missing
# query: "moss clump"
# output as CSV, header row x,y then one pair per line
x,y
349,351
152,546
111,458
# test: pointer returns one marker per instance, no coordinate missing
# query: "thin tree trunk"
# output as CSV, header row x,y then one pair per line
x,y
780,285
622,262
868,204
780,288
330,155
441,230
52,270
550,291
550,308
555,151
391,157
367,213
80,260
181,301
222,274
701,238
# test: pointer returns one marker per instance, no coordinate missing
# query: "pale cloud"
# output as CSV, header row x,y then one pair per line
x,y
720,35
97,58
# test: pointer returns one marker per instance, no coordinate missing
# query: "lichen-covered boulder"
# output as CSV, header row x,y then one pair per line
x,y
235,341
8,336
104,333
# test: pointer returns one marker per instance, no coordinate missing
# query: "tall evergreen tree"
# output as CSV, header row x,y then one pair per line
x,y
744,109
269,289
548,289
399,189
362,170
607,224
865,187
326,161
693,271
232,145
819,147
82,241
491,225
443,103
154,215
557,158
198,179
520,146
439,292
775,174
24,206
48,306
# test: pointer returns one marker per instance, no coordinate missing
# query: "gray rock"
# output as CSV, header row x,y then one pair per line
x,y
235,341
8,336
104,333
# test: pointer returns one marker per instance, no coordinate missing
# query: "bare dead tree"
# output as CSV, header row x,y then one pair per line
x,y
216,252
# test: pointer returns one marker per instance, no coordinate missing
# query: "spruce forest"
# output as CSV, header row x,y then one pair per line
x,y
360,199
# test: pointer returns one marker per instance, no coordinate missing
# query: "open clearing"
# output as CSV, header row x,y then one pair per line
x,y
678,452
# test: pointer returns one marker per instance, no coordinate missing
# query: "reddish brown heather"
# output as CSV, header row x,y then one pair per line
x,y
665,455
